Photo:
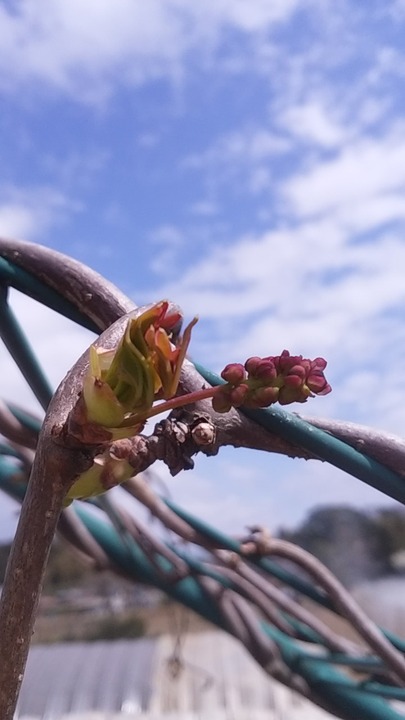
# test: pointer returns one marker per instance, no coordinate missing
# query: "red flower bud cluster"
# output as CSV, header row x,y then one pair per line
x,y
261,382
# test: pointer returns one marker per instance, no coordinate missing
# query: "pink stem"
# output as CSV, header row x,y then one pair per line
x,y
179,401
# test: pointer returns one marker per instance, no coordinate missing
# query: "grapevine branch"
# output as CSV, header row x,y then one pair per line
x,y
67,449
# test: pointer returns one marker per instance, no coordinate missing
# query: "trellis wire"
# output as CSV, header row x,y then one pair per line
x,y
226,585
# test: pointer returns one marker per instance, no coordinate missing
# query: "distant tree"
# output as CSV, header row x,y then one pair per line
x,y
353,545
392,522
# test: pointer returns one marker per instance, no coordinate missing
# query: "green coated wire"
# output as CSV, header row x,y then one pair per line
x,y
322,444
185,590
272,568
347,697
5,449
30,421
344,694
288,426
350,699
394,693
226,542
22,353
269,566
23,281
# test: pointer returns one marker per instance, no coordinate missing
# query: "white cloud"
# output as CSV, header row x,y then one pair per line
x,y
303,484
234,503
259,180
79,47
303,282
397,9
205,208
314,123
389,62
367,170
255,273
168,241
28,213
314,291
65,42
248,17
240,159
373,212
16,221
239,488
314,112
167,236
250,145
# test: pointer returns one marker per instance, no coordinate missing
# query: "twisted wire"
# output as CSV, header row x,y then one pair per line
x,y
241,586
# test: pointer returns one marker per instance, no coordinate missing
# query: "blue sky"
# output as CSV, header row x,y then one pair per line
x,y
245,159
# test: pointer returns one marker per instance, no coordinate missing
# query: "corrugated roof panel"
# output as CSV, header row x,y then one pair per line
x,y
81,677
134,680
219,679
66,669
